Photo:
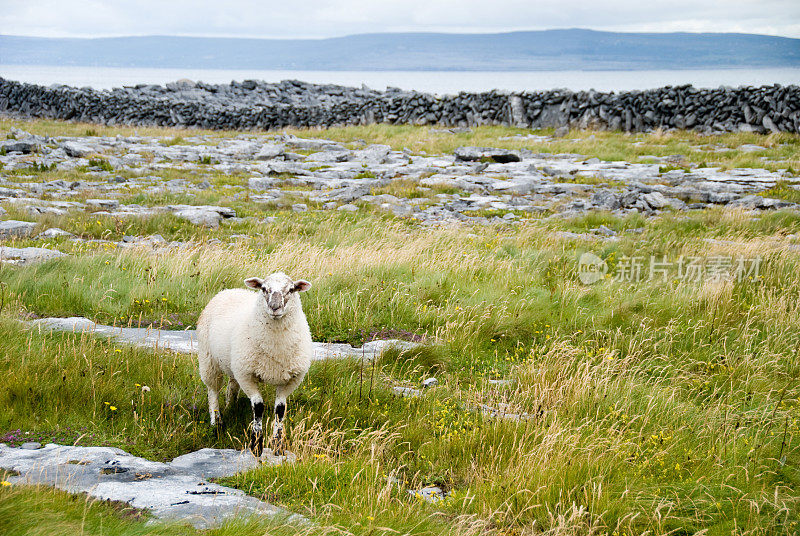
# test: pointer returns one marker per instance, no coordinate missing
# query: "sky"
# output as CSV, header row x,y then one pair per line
x,y
332,18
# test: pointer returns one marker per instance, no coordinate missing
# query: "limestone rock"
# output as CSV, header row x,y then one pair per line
x,y
759,202
53,232
15,229
207,215
178,490
76,149
655,200
184,341
472,154
29,255
268,152
104,204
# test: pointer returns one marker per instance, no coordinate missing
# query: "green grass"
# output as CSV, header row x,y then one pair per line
x,y
34,510
787,190
658,407
100,163
177,140
642,393
593,180
410,189
783,149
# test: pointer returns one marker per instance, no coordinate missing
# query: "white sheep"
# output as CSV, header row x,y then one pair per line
x,y
255,337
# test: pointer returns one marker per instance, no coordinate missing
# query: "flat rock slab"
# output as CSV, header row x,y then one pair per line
x,y
15,229
29,255
178,490
185,341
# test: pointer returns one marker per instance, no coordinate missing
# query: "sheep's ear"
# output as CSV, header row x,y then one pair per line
x,y
254,282
301,285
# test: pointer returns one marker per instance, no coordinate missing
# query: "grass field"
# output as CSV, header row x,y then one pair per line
x,y
658,406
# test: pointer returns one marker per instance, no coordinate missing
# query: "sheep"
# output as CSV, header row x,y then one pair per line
x,y
255,337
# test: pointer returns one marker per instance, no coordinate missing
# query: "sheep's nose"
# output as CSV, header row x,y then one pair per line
x,y
275,301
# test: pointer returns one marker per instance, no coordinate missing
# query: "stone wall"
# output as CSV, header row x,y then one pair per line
x,y
259,105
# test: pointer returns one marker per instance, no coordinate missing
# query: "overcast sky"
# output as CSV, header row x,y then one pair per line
x,y
331,18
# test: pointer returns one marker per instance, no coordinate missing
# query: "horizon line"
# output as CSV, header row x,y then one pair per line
x,y
345,36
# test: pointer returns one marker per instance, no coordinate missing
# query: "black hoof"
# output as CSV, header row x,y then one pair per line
x,y
276,443
257,444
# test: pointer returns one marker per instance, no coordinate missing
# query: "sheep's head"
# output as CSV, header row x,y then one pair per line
x,y
279,292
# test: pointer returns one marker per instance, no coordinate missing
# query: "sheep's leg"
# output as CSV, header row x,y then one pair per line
x,y
231,393
282,392
213,407
212,377
250,388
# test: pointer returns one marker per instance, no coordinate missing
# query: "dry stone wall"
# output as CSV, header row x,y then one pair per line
x,y
259,105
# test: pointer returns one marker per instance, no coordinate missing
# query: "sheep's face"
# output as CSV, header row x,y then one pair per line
x,y
279,291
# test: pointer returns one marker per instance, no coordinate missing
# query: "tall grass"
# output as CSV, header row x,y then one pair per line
x,y
651,407
658,407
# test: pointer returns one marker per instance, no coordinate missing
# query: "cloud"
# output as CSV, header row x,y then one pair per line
x,y
331,18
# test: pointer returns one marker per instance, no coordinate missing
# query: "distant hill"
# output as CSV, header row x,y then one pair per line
x,y
515,51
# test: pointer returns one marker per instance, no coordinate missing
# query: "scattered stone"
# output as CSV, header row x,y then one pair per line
x,y
177,185
185,341
206,218
268,152
15,229
300,207
339,178
561,131
474,154
502,383
502,413
759,202
431,494
104,204
342,155
655,200
261,183
77,150
606,200
374,154
750,148
429,382
29,255
206,215
53,232
408,392
178,490
606,231
24,146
